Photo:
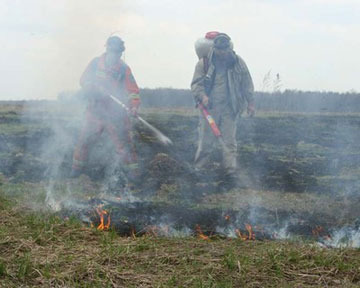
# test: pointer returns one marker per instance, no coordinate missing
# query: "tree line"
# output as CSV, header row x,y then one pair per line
x,y
285,101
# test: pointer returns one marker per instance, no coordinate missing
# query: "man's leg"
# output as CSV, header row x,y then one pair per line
x,y
229,150
91,130
128,136
124,147
122,144
205,144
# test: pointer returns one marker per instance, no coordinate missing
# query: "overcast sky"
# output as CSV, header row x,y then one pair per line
x,y
45,45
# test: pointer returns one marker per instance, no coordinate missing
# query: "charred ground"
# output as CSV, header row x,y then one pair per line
x,y
297,170
299,163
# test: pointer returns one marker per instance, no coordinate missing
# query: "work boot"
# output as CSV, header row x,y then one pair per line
x,y
75,173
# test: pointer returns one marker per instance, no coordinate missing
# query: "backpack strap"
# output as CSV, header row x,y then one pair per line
x,y
208,79
206,64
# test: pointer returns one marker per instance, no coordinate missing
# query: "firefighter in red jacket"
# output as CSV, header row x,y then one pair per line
x,y
108,75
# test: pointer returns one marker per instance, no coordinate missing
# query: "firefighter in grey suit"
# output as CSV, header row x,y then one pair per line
x,y
222,83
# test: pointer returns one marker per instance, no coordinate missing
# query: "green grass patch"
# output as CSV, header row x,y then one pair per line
x,y
42,250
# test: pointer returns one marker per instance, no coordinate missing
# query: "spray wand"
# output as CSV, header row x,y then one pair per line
x,y
160,136
210,120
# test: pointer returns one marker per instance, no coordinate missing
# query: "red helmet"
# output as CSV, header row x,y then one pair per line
x,y
211,35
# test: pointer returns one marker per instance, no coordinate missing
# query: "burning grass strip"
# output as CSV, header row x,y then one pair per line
x,y
136,219
42,250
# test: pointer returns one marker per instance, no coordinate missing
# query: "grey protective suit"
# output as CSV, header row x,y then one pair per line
x,y
231,88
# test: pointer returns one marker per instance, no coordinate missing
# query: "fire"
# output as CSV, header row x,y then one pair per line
x,y
250,231
101,213
133,232
250,236
319,231
240,235
227,217
200,234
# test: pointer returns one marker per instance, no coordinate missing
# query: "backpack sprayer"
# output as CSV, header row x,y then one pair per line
x,y
160,136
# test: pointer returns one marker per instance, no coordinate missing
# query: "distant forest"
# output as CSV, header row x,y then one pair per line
x,y
288,100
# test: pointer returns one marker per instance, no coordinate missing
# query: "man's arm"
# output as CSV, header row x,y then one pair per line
x,y
133,90
247,87
197,83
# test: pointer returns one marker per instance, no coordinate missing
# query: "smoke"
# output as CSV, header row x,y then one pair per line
x,y
53,44
291,155
344,238
49,45
60,122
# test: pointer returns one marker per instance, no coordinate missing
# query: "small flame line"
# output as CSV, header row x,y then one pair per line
x,y
102,225
250,236
200,234
133,233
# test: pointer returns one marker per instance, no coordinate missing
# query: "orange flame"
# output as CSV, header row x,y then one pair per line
x,y
241,236
250,236
250,231
101,214
200,234
227,217
133,232
319,231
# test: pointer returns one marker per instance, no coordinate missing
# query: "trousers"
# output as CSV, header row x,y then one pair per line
x,y
207,142
119,133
